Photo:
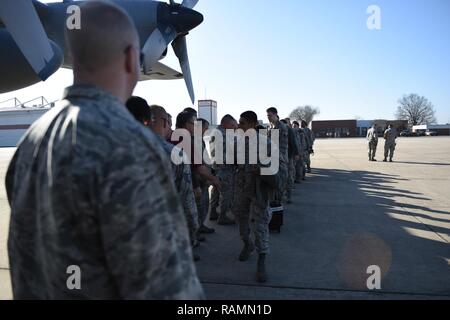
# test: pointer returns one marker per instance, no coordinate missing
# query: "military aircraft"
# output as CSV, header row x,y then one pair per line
x,y
32,45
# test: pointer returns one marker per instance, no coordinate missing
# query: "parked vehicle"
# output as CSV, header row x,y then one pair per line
x,y
420,133
431,133
406,133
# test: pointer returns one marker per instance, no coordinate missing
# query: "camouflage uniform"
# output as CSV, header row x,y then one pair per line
x,y
222,200
203,201
300,165
309,136
389,144
89,186
372,141
214,203
293,151
251,204
284,159
182,177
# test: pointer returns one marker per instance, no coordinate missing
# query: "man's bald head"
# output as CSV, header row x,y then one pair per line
x,y
105,52
106,33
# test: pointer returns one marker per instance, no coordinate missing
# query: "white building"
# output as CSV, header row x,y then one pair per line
x,y
441,129
362,126
207,109
16,119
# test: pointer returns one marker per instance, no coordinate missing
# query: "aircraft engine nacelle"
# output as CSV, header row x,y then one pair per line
x,y
15,71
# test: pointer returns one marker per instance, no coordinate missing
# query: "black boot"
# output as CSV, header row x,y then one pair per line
x,y
225,221
200,237
246,251
261,268
213,215
205,229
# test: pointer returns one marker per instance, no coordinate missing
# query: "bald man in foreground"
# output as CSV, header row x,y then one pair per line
x,y
94,211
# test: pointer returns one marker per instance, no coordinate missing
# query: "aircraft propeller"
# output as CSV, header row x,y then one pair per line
x,y
174,23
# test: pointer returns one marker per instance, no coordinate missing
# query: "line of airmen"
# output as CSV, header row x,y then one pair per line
x,y
92,188
247,194
236,189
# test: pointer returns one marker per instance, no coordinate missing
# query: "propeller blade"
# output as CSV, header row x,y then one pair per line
x,y
24,25
180,49
172,2
189,3
156,45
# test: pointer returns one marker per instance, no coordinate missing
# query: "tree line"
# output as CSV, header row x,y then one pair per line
x,y
416,109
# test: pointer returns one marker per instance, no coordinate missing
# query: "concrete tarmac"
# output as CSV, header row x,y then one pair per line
x,y
349,215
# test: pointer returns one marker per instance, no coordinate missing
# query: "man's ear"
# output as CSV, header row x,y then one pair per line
x,y
131,60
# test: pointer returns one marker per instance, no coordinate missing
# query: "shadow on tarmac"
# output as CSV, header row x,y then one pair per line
x,y
341,222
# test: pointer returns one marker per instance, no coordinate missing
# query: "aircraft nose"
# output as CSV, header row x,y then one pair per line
x,y
182,19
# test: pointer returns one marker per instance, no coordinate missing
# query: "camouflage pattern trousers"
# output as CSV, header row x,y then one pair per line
x,y
221,202
203,205
283,175
307,159
290,181
372,149
389,149
252,216
300,169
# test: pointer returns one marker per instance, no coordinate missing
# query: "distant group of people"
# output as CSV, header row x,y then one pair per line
x,y
390,136
93,185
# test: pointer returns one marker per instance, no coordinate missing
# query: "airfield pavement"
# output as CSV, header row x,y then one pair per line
x,y
348,215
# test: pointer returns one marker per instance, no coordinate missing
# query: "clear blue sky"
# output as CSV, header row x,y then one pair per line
x,y
257,53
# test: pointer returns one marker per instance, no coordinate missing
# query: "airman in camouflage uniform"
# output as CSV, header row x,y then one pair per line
x,y
300,169
201,173
293,156
275,123
309,136
157,119
251,204
90,187
222,200
390,135
182,174
104,193
183,183
203,201
372,141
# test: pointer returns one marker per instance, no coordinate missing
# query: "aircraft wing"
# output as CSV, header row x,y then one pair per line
x,y
22,22
160,71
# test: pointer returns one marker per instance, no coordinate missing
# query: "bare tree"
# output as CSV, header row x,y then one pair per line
x,y
416,109
306,113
